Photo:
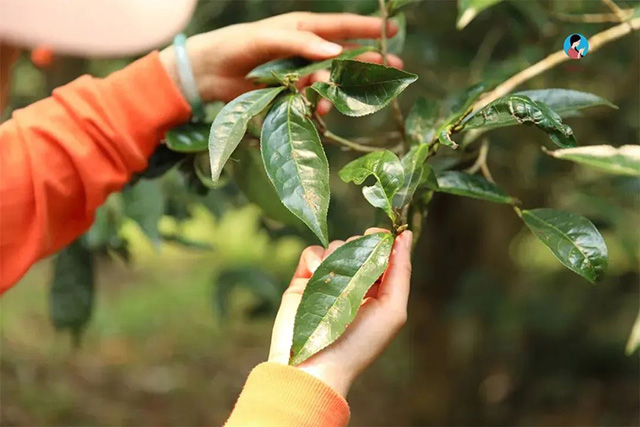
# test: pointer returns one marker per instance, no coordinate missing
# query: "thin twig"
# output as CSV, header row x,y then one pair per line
x,y
484,52
349,144
596,42
615,9
482,158
593,18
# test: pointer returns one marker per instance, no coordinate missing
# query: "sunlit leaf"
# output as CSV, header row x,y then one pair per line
x,y
252,179
265,73
623,160
572,238
565,101
413,166
335,291
231,124
474,186
388,172
360,88
518,109
469,9
189,137
296,163
72,290
420,125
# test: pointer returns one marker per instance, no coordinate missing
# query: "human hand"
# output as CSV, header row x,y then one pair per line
x,y
381,315
222,58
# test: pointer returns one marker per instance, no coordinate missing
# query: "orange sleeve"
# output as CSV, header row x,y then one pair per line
x,y
278,395
62,156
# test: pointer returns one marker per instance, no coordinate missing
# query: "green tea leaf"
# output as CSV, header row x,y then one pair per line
x,y
388,172
296,163
395,45
144,203
459,106
420,126
252,179
412,164
634,338
474,186
393,6
265,73
469,9
231,124
565,101
335,291
360,88
572,238
623,160
189,138
518,109
72,290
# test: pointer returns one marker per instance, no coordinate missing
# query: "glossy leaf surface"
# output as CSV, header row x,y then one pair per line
x,y
572,238
474,186
413,166
189,138
518,109
458,106
388,172
420,126
469,9
623,160
296,163
566,101
334,293
231,123
359,88
252,179
72,290
281,67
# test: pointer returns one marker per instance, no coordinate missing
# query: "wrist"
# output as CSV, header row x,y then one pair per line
x,y
171,63
331,376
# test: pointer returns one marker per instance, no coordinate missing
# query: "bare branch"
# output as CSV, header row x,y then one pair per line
x,y
616,10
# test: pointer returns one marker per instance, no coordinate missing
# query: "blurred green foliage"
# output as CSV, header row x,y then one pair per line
x,y
499,332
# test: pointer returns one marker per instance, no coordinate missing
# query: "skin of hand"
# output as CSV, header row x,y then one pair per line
x,y
222,58
382,314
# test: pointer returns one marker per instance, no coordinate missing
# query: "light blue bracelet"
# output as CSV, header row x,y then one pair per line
x,y
185,75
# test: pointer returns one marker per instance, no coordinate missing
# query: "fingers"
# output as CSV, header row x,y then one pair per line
x,y
275,43
372,230
337,26
376,58
394,287
332,247
310,259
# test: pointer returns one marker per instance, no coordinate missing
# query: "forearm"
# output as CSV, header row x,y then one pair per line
x,y
62,156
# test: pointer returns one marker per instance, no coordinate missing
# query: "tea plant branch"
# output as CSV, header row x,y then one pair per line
x,y
486,48
395,105
592,18
596,42
481,162
615,9
325,132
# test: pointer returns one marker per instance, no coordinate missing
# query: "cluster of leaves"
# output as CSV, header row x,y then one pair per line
x,y
291,166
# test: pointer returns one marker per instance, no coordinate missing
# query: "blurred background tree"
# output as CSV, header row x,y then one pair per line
x,y
499,332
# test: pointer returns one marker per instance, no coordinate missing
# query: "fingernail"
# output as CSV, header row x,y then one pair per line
x,y
314,264
329,49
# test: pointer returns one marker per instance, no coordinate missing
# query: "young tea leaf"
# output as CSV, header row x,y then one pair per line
x,y
634,337
474,186
360,88
272,72
388,172
420,126
565,101
335,291
572,238
189,138
459,106
296,163
623,160
413,166
72,290
469,9
231,123
518,109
